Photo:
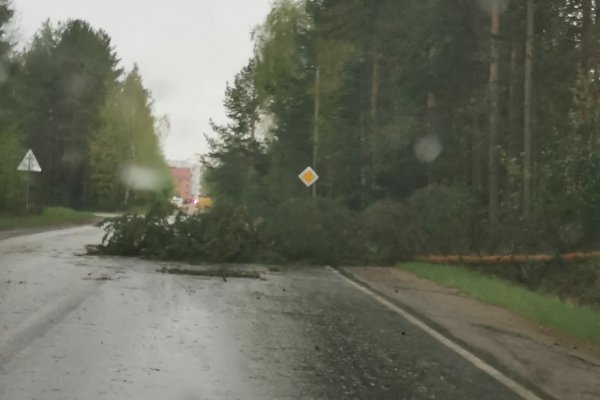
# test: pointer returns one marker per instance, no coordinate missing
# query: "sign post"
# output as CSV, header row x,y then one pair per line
x,y
29,164
309,177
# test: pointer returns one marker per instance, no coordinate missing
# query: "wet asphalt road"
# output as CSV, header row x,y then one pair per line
x,y
75,327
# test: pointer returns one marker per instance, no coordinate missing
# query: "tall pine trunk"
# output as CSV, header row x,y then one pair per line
x,y
477,149
514,114
514,96
374,84
596,38
372,123
528,116
432,125
494,119
587,38
316,139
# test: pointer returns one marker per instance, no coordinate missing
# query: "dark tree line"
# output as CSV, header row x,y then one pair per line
x,y
494,99
66,97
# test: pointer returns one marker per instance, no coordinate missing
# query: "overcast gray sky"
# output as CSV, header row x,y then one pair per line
x,y
186,50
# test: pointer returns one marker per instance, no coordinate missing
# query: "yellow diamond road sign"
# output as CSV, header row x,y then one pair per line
x,y
309,177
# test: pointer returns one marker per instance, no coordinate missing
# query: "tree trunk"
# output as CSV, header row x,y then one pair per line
x,y
587,40
431,106
596,38
432,125
494,119
514,113
528,116
371,122
126,199
364,155
374,84
476,155
587,37
514,95
316,139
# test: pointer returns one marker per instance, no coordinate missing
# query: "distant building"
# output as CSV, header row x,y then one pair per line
x,y
183,182
188,178
196,187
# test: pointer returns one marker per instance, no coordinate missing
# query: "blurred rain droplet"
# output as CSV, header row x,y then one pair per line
x,y
488,5
142,178
428,148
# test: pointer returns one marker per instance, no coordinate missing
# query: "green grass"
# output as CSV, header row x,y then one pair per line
x,y
576,321
51,216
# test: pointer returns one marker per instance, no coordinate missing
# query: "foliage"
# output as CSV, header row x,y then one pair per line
x,y
236,160
225,234
390,101
11,149
446,218
6,15
63,83
126,138
13,183
228,233
323,233
135,235
404,120
571,169
64,97
392,230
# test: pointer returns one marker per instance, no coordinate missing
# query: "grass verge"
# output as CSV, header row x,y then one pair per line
x,y
575,321
51,216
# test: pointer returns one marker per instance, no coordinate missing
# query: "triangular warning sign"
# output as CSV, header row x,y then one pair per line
x,y
29,163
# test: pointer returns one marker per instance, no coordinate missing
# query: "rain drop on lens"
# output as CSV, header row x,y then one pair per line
x,y
428,149
142,178
488,5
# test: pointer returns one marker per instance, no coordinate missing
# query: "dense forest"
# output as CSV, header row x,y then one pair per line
x,y
89,122
446,126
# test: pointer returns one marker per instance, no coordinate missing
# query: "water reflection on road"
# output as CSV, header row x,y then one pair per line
x,y
78,327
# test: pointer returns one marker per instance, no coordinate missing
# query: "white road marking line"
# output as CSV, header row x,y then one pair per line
x,y
517,388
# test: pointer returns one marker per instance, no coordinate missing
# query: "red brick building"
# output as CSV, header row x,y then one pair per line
x,y
183,181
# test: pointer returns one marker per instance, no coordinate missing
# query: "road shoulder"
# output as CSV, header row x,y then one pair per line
x,y
11,233
556,366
